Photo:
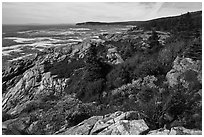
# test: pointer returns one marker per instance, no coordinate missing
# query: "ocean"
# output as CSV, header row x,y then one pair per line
x,y
23,41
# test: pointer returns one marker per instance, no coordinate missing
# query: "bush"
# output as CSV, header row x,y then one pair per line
x,y
151,112
79,113
150,67
91,91
66,112
32,106
146,94
167,55
184,105
118,76
171,107
93,65
64,69
6,116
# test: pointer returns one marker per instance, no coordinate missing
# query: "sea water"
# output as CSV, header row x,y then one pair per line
x,y
19,41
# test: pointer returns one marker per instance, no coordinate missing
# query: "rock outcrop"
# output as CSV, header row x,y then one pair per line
x,y
118,123
29,80
134,36
16,68
175,131
121,123
13,73
15,126
33,84
185,71
113,56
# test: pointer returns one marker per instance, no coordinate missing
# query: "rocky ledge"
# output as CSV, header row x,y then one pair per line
x,y
121,123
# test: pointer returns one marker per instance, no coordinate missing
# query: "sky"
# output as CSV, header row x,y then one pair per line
x,y
70,12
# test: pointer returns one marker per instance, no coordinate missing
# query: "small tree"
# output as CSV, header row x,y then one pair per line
x,y
185,23
153,41
93,64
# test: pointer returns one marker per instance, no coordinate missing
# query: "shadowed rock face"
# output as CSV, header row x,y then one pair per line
x,y
30,86
13,73
16,69
27,79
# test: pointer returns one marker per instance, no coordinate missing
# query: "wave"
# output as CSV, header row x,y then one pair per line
x,y
95,37
80,29
12,47
19,40
21,57
75,40
7,52
22,32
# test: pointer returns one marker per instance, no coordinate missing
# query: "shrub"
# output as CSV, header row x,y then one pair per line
x,y
146,94
151,111
6,116
170,105
48,97
153,41
91,91
183,105
64,69
168,54
32,106
151,67
118,76
79,113
66,112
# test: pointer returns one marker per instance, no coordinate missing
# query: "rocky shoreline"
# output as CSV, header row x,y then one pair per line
x,y
38,97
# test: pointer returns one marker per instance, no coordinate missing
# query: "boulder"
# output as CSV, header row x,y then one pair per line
x,y
15,126
175,131
184,131
185,71
159,132
125,127
113,56
118,123
33,128
82,128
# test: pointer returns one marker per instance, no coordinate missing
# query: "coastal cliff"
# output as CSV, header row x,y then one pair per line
x,y
138,82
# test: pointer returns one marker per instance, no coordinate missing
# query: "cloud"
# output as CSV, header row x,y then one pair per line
x,y
155,9
178,8
70,12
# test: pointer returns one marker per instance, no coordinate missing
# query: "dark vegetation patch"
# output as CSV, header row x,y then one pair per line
x,y
64,69
67,111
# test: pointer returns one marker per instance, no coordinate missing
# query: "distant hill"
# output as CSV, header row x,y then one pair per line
x,y
111,23
173,22
164,23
